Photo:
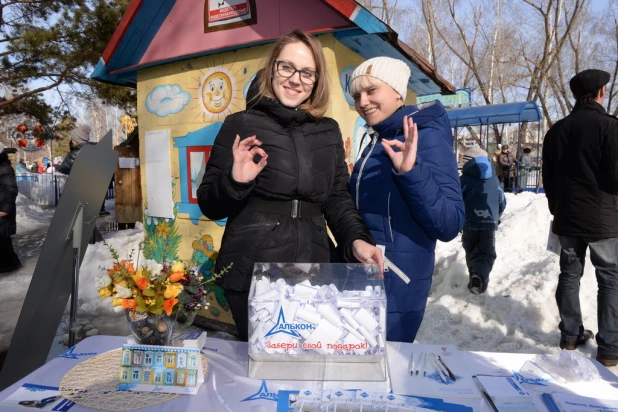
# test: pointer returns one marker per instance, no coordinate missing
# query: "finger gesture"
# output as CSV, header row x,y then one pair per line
x,y
405,158
244,168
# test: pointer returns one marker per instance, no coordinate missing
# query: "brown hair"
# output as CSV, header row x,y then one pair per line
x,y
588,97
317,103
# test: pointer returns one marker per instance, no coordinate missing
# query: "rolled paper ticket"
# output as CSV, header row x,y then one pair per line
x,y
291,310
354,332
330,313
263,315
304,290
347,315
366,319
382,318
344,303
308,316
369,288
370,339
262,286
270,295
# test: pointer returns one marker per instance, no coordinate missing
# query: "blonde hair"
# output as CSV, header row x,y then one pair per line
x,y
317,103
363,82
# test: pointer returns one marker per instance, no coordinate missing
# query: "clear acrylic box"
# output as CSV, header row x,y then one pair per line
x,y
311,321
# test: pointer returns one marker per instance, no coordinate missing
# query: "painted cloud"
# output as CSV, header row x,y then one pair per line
x,y
168,99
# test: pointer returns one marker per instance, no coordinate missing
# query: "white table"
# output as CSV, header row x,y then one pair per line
x,y
227,388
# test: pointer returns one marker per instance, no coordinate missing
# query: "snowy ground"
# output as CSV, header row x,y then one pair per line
x,y
517,313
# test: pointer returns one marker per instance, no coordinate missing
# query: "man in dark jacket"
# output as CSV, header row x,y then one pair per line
x,y
580,177
506,161
485,203
8,224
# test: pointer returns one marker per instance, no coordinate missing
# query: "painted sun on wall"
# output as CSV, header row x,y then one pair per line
x,y
219,91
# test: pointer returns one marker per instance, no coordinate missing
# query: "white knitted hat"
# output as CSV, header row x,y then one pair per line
x,y
393,72
472,153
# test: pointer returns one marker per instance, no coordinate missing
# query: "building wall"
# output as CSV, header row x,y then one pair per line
x,y
177,96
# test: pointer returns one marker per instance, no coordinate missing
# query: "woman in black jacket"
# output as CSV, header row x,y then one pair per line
x,y
8,225
277,171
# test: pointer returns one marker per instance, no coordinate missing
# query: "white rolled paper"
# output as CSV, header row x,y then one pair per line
x,y
366,319
367,335
347,315
307,315
369,288
301,290
262,286
382,319
354,332
271,294
343,303
263,315
330,313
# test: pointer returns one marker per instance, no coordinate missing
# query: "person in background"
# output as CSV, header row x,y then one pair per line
x,y
8,214
580,177
80,136
406,186
525,164
497,167
506,161
485,203
277,171
50,168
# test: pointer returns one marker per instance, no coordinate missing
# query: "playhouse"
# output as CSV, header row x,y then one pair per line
x,y
192,62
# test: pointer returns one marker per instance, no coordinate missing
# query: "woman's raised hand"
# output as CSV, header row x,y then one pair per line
x,y
405,159
244,168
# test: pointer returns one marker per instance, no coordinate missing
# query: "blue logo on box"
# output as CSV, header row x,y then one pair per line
x,y
70,354
262,394
288,328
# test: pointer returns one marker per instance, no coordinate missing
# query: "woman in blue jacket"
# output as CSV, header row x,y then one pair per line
x,y
405,185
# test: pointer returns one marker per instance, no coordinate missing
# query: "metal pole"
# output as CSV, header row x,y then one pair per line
x,y
77,242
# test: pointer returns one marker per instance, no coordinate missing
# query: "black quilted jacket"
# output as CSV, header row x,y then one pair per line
x,y
8,194
306,161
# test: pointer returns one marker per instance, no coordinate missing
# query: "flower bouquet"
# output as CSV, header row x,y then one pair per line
x,y
154,295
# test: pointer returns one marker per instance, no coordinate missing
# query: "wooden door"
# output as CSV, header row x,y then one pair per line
x,y
128,187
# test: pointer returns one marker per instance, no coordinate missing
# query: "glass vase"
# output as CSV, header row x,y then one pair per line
x,y
151,329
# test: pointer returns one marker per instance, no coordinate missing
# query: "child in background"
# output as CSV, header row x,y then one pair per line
x,y
485,202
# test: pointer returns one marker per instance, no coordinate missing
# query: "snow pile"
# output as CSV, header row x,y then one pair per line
x,y
518,313
31,216
97,259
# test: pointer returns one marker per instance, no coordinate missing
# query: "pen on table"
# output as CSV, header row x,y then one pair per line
x,y
485,394
436,366
411,364
425,364
447,369
444,372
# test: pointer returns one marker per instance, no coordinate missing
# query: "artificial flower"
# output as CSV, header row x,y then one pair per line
x,y
172,291
153,267
118,309
105,292
117,302
129,304
141,282
168,305
178,267
102,281
176,276
123,292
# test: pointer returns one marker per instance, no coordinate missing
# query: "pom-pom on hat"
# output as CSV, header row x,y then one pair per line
x,y
472,153
393,72
81,134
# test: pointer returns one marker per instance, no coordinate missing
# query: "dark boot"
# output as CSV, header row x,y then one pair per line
x,y
607,359
568,344
475,286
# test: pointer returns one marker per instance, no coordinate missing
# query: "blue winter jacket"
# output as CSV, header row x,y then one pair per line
x,y
408,212
482,194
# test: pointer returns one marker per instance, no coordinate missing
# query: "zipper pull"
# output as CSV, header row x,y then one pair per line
x,y
276,226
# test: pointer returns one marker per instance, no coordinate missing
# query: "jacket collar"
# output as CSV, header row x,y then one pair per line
x,y
393,125
285,115
590,106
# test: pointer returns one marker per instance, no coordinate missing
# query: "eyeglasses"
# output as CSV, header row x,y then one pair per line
x,y
286,70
